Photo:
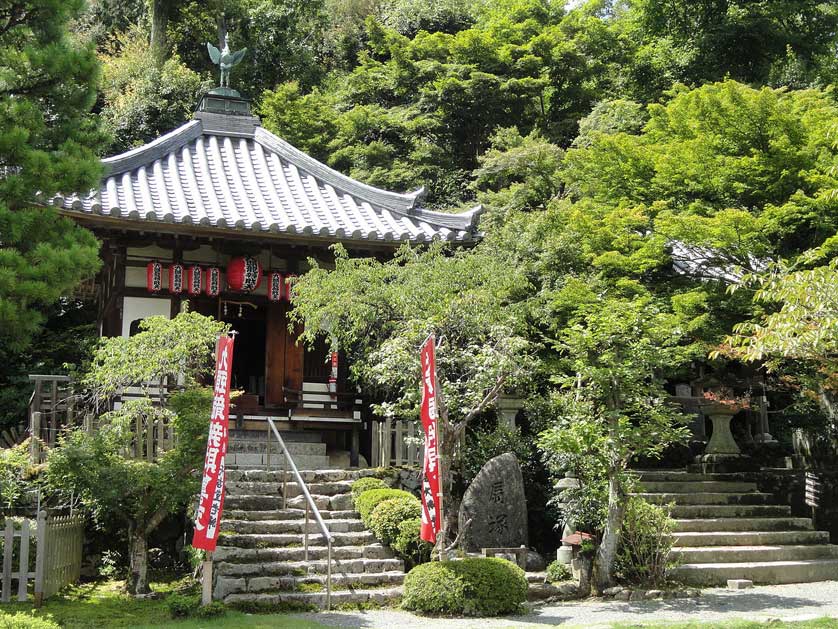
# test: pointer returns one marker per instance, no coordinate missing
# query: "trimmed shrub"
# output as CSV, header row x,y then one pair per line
x,y
365,484
369,500
409,546
387,515
22,620
477,586
645,543
181,606
558,572
213,610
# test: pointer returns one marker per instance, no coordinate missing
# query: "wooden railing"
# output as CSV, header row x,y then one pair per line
x,y
396,443
50,408
53,408
58,554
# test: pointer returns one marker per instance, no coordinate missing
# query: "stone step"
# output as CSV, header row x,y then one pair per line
x,y
288,436
275,540
750,538
256,461
709,498
729,511
681,476
697,486
743,524
738,554
309,476
232,554
316,600
290,526
225,586
260,447
302,568
762,572
285,514
341,502
259,488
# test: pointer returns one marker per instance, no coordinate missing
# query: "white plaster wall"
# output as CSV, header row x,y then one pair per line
x,y
141,307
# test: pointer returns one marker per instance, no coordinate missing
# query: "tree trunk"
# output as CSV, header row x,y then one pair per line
x,y
159,24
137,582
607,551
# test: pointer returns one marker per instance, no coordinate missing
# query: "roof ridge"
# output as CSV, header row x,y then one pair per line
x,y
154,150
401,202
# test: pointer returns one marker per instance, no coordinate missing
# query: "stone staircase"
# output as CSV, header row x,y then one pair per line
x,y
260,558
248,449
727,529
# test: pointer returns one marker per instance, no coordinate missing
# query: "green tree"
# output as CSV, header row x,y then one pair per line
x,y
48,144
617,350
144,100
99,467
752,42
379,313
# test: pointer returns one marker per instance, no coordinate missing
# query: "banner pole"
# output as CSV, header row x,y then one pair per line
x,y
206,580
440,440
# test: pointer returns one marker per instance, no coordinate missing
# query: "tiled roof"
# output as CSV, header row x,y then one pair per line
x,y
226,171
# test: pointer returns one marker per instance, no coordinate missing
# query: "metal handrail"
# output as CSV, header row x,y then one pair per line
x,y
310,506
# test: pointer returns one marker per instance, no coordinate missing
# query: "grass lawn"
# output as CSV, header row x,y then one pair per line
x,y
102,605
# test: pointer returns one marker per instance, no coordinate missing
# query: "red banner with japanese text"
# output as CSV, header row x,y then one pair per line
x,y
431,496
211,501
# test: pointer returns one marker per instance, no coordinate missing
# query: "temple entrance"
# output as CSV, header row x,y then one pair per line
x,y
248,372
283,356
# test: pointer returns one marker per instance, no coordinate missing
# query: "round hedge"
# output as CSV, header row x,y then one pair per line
x,y
477,586
408,545
365,484
388,514
369,500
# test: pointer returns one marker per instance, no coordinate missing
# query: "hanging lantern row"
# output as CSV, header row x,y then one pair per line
x,y
279,286
183,279
244,275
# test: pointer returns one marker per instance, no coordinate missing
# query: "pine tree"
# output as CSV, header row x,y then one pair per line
x,y
48,143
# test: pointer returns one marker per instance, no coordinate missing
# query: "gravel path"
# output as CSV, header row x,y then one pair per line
x,y
785,602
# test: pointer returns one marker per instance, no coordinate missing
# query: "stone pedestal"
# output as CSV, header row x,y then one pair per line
x,y
721,441
722,453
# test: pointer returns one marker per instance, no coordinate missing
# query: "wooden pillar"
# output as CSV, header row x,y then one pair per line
x,y
355,447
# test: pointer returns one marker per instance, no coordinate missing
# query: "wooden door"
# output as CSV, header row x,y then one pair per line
x,y
284,356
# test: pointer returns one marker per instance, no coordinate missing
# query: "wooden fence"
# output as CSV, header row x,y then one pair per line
x,y
58,554
396,443
52,409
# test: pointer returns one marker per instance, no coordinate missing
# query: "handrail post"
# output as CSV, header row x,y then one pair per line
x,y
268,446
329,575
285,482
310,507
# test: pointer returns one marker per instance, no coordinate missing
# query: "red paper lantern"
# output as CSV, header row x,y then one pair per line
x,y
244,274
154,277
176,279
213,287
289,283
333,375
275,286
194,280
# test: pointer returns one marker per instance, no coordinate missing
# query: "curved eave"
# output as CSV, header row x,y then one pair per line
x,y
256,231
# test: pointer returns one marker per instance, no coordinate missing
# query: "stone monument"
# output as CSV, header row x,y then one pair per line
x,y
496,506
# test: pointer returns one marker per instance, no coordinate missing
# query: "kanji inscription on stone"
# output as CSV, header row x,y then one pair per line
x,y
496,506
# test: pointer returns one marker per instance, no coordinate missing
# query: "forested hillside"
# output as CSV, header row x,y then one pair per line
x,y
402,93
